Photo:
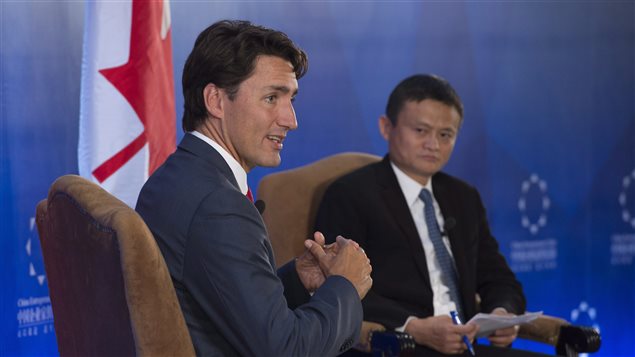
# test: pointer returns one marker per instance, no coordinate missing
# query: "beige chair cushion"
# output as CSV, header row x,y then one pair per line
x,y
292,198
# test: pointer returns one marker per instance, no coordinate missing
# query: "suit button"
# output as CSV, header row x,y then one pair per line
x,y
346,345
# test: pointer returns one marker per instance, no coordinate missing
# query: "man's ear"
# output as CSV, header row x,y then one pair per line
x,y
212,97
385,127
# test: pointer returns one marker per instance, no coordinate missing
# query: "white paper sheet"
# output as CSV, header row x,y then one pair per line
x,y
489,323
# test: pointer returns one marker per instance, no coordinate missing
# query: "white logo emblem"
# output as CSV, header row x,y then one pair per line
x,y
34,313
627,216
39,275
545,203
585,315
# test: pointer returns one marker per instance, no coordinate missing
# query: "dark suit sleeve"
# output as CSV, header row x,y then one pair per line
x,y
496,283
338,215
342,212
228,270
295,293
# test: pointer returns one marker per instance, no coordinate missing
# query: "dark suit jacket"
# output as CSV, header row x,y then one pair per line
x,y
221,262
369,207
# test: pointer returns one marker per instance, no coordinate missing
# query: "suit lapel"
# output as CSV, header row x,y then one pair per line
x,y
397,207
209,155
215,161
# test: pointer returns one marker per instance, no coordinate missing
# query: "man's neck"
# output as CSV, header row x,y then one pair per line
x,y
239,173
422,180
212,129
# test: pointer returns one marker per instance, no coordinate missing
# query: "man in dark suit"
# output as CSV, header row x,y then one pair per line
x,y
239,83
432,251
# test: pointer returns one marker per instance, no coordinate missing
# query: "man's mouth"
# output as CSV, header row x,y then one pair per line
x,y
277,139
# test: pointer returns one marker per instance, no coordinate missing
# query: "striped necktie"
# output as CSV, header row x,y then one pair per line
x,y
448,273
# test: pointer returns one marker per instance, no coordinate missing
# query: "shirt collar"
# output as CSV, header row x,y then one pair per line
x,y
237,169
409,187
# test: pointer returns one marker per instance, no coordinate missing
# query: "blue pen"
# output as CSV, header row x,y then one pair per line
x,y
457,321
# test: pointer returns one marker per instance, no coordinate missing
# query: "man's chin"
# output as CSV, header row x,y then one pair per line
x,y
428,170
270,162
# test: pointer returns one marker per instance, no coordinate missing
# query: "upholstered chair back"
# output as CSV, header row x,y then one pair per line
x,y
292,198
110,289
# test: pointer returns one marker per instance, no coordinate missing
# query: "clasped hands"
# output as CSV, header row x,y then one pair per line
x,y
344,257
441,334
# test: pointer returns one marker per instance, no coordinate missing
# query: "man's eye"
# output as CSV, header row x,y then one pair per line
x,y
270,99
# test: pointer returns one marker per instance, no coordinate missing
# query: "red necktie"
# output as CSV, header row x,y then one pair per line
x,y
249,195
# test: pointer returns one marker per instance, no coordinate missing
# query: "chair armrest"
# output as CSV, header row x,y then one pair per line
x,y
569,340
544,329
577,339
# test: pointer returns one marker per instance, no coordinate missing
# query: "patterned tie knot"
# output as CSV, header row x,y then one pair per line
x,y
425,196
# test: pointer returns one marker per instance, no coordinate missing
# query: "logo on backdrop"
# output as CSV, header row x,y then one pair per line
x,y
34,313
533,193
626,196
34,254
538,253
585,315
623,244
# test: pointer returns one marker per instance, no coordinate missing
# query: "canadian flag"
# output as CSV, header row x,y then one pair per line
x,y
127,111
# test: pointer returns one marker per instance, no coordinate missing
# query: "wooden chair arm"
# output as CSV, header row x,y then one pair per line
x,y
544,329
568,339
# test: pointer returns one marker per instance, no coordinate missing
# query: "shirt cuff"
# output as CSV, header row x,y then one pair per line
x,y
403,327
500,308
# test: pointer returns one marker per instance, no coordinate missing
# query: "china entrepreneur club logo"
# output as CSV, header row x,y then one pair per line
x,y
627,187
533,193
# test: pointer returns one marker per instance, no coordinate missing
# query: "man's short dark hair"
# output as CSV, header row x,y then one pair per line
x,y
420,87
225,54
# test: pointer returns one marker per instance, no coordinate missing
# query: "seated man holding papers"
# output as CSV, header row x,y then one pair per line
x,y
425,231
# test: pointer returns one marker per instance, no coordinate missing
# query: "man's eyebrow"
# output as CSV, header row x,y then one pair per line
x,y
283,89
420,122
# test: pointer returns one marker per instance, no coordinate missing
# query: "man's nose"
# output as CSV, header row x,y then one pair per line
x,y
287,117
431,142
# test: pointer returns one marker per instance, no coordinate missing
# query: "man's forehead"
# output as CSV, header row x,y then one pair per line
x,y
273,73
414,109
273,65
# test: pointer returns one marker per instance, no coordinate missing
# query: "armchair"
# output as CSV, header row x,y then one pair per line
x,y
110,289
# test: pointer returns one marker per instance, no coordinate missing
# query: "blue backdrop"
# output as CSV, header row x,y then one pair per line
x,y
548,138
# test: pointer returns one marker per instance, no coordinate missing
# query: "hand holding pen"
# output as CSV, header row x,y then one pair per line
x,y
440,333
468,344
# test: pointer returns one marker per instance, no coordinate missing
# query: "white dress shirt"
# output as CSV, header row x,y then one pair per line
x,y
441,298
239,172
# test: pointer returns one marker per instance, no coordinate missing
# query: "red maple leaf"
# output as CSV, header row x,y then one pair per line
x,y
147,83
